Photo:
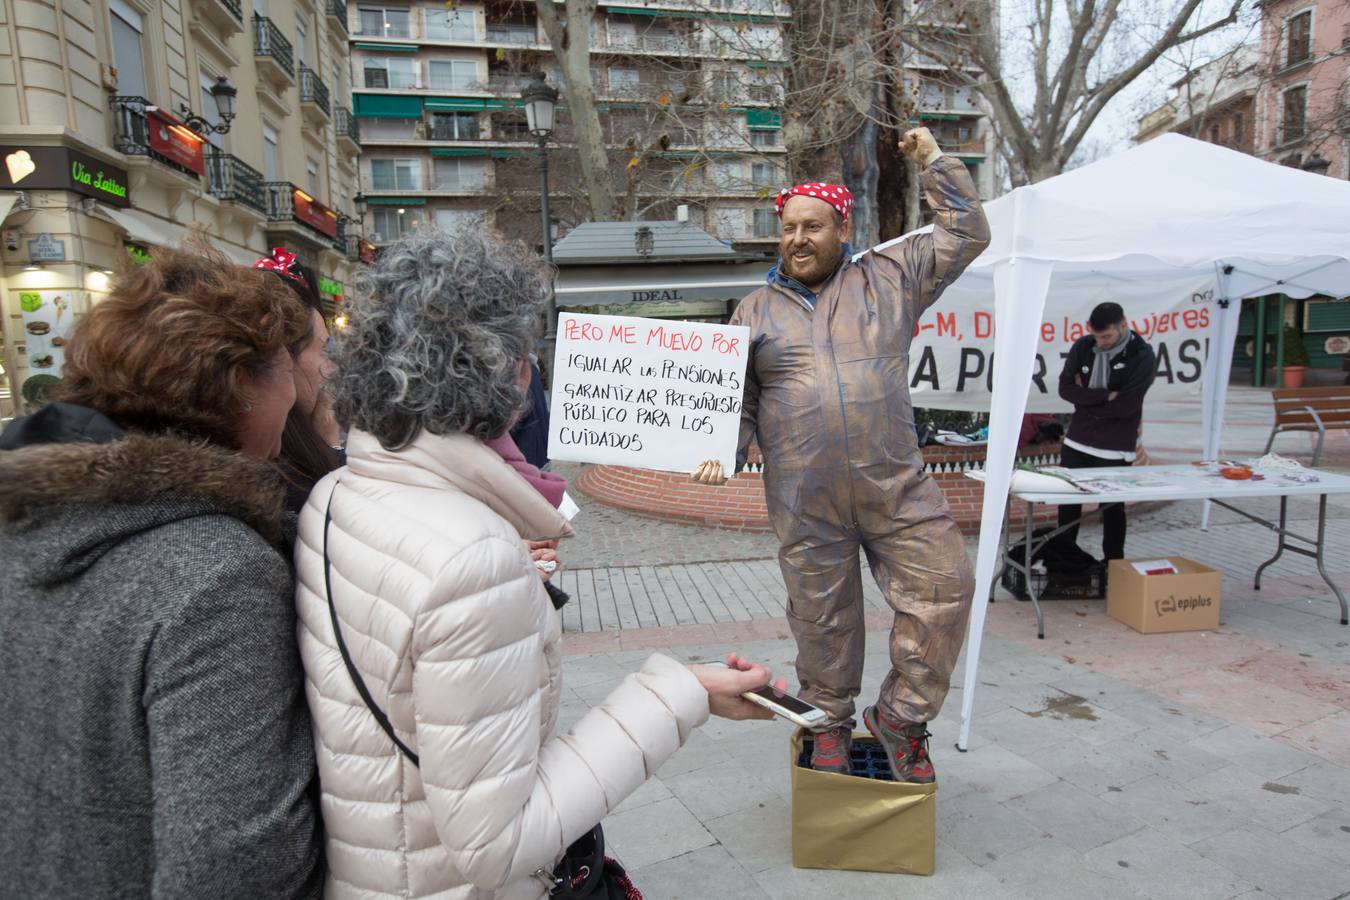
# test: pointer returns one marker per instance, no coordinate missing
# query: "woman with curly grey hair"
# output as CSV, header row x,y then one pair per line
x,y
431,649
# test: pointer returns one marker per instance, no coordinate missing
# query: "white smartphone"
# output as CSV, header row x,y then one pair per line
x,y
794,709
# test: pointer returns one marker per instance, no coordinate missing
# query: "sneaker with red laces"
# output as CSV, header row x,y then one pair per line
x,y
830,753
906,746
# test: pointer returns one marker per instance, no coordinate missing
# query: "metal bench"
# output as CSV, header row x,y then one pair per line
x,y
1310,409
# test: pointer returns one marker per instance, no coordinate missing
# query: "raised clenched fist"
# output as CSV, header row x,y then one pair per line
x,y
919,145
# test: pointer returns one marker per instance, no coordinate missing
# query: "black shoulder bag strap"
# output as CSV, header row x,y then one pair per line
x,y
360,682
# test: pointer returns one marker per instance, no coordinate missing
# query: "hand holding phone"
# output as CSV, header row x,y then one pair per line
x,y
727,684
794,709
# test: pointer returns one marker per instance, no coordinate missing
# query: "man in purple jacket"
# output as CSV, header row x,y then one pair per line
x,y
1105,377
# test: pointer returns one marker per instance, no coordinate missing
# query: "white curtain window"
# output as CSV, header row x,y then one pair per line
x,y
312,173
382,21
390,224
728,174
461,174
728,223
271,166
452,219
624,78
766,223
339,85
454,127
301,43
764,138
389,73
764,175
451,25
128,26
389,129
452,74
396,174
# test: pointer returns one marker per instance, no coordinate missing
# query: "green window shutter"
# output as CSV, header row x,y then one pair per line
x,y
1326,315
462,104
397,201
389,48
459,151
386,106
763,119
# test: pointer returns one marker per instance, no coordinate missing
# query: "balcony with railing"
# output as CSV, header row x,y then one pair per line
x,y
314,101
348,129
936,102
226,16
274,54
337,11
133,132
505,83
663,43
513,35
235,181
280,200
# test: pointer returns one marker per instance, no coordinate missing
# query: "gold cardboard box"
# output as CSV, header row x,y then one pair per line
x,y
861,824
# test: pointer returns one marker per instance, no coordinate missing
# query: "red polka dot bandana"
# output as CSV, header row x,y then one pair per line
x,y
282,262
838,196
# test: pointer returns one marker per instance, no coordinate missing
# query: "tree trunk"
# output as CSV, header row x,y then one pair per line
x,y
571,49
861,173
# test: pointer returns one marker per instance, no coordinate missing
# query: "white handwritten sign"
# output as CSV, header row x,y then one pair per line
x,y
647,393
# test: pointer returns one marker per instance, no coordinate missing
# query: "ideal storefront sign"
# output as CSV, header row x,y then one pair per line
x,y
65,169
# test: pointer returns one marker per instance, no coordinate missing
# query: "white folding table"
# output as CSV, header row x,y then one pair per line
x,y
1184,482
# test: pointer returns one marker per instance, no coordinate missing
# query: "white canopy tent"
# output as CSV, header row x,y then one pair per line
x,y
1158,211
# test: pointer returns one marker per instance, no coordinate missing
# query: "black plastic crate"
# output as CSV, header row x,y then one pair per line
x,y
866,759
1090,584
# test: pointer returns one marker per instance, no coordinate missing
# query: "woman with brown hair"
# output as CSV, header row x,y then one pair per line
x,y
310,443
155,738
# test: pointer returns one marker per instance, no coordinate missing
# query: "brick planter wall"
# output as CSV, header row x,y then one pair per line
x,y
739,504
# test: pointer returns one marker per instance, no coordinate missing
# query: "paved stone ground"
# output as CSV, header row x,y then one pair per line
x,y
1102,763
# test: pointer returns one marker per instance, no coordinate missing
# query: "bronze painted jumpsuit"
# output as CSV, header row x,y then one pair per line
x,y
827,395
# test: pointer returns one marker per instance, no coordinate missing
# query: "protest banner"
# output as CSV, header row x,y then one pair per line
x,y
951,358
647,393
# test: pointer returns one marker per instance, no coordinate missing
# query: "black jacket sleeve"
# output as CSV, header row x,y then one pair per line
x,y
1073,393
1129,400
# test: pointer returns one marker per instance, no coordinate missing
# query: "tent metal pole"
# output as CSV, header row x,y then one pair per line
x,y
1279,346
1259,362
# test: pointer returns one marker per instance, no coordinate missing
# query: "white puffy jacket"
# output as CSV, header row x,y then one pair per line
x,y
448,622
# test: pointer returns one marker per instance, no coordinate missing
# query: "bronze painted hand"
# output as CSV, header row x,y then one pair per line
x,y
919,145
709,472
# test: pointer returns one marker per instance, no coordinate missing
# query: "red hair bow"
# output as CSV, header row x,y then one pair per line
x,y
282,261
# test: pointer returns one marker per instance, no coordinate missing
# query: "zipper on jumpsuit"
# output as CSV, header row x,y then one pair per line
x,y
839,383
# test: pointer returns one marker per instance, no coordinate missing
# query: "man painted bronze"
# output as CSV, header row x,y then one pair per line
x,y
827,399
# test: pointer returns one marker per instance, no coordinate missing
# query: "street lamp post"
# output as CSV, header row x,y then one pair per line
x,y
223,93
541,99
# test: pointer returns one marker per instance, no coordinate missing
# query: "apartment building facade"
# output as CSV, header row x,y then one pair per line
x,y
1215,103
690,98
1303,114
115,142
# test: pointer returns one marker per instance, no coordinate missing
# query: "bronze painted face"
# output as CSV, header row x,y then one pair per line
x,y
812,240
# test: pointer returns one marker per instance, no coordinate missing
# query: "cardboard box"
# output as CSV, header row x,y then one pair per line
x,y
1186,601
861,824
